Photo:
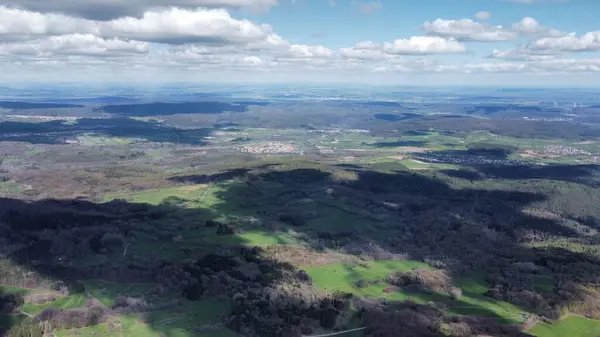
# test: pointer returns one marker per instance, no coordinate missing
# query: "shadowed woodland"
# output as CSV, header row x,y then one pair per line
x,y
531,243
54,132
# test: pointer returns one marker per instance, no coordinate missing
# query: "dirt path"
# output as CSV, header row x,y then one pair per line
x,y
26,313
335,333
97,302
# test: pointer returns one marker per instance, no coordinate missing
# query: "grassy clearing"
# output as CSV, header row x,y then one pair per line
x,y
158,196
177,322
343,277
4,289
97,140
254,238
9,187
415,164
474,302
69,302
572,326
107,292
33,151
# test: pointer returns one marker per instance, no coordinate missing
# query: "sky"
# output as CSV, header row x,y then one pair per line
x,y
407,42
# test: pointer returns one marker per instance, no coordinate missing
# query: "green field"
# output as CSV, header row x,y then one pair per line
x,y
107,292
156,197
474,302
99,140
69,302
343,277
9,187
177,322
4,289
571,326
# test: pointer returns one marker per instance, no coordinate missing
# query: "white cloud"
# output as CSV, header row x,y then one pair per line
x,y
297,51
483,16
364,50
467,30
521,54
173,26
178,26
362,54
424,45
569,65
494,67
416,45
193,57
76,44
530,26
200,40
367,45
112,9
569,43
281,57
19,24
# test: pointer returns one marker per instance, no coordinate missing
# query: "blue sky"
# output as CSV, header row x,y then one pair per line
x,y
507,42
345,23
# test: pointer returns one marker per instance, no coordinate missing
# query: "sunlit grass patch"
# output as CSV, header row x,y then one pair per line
x,y
572,326
107,292
343,277
203,316
4,289
68,302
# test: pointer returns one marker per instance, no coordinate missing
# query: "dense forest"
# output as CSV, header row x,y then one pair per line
x,y
497,228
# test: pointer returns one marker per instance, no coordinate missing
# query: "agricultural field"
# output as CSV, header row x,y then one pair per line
x,y
67,302
99,140
107,292
291,218
191,319
568,326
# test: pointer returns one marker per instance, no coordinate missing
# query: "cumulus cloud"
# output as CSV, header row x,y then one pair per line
x,y
179,26
570,43
185,38
483,15
364,50
202,58
367,45
266,59
494,67
424,45
530,26
173,26
416,45
467,30
112,9
521,54
20,24
362,54
75,44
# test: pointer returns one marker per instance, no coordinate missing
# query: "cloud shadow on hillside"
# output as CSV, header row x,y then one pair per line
x,y
55,132
381,215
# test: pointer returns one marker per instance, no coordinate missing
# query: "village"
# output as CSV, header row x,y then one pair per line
x,y
268,147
